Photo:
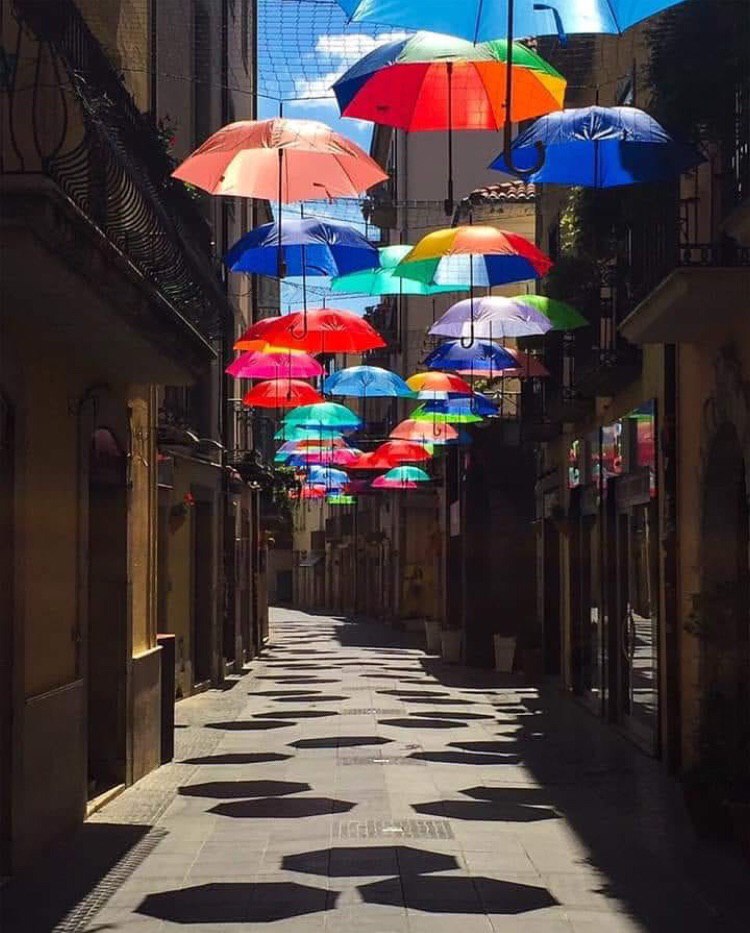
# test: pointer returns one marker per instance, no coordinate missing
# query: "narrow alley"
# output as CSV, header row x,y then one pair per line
x,y
349,782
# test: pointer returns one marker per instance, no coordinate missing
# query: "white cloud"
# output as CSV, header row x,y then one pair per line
x,y
343,50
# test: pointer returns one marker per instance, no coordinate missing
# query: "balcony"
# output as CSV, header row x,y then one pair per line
x,y
91,216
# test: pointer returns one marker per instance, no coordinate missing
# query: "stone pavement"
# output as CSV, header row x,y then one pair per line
x,y
351,783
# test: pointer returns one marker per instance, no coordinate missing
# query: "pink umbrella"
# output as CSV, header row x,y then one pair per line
x,y
257,365
280,159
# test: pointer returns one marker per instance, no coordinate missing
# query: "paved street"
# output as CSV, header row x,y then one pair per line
x,y
348,783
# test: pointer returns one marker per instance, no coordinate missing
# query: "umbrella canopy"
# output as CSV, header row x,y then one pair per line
x,y
275,365
599,147
490,317
401,477
473,255
428,412
327,476
325,330
392,453
299,432
280,159
525,367
325,456
253,338
438,382
309,492
562,315
437,82
424,433
308,246
366,381
281,393
339,498
481,356
314,443
323,415
478,21
382,281
478,404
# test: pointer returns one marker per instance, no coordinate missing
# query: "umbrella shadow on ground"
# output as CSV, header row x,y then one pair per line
x,y
523,795
282,808
237,903
294,679
340,741
237,758
485,811
312,698
414,694
465,758
423,723
476,895
242,725
283,693
227,790
367,861
492,748
449,714
296,714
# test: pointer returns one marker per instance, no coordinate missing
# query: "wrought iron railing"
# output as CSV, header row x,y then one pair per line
x,y
119,173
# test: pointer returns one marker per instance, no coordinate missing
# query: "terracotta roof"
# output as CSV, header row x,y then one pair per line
x,y
511,191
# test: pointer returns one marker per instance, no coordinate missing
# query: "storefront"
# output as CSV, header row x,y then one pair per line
x,y
614,569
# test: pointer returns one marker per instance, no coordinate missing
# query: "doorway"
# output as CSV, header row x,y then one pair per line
x,y
6,629
106,642
203,571
721,614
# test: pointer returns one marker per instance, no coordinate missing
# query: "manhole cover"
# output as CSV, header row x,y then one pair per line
x,y
394,829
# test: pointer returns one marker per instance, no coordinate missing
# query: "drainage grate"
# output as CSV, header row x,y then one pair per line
x,y
394,829
375,710
381,760
93,902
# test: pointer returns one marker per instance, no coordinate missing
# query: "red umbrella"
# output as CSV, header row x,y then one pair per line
x,y
253,338
423,432
281,393
324,330
392,453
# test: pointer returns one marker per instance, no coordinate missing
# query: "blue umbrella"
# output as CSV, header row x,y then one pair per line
x,y
308,247
481,356
327,476
599,147
481,21
476,405
366,382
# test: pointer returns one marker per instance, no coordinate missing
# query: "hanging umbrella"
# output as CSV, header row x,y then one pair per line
x,y
382,281
316,442
323,415
279,364
478,404
339,498
422,433
437,82
478,21
299,432
401,477
562,315
490,317
366,382
322,456
526,366
309,492
599,147
325,330
435,382
327,476
253,338
392,453
281,393
280,159
482,356
473,255
429,412
308,247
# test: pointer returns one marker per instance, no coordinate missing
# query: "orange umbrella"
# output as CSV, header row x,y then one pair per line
x,y
423,432
436,381
280,159
281,393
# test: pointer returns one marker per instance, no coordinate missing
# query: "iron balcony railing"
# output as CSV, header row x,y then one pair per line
x,y
119,173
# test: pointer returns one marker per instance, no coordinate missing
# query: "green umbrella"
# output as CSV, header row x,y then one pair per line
x,y
562,315
294,432
445,417
382,281
323,415
341,499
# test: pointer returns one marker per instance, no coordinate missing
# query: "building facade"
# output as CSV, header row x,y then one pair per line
x,y
119,521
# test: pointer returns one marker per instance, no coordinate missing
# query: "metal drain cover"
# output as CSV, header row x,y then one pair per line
x,y
394,829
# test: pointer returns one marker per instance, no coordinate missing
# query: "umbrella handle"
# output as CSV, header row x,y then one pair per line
x,y
508,155
507,130
300,335
467,345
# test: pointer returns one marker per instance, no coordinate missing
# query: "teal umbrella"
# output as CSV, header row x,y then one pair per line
x,y
382,281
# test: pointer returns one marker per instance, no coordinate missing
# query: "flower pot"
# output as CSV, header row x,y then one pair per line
x,y
432,633
505,652
451,640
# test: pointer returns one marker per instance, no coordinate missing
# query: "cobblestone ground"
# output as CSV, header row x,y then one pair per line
x,y
351,783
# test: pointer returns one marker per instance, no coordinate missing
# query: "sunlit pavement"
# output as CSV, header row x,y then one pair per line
x,y
351,783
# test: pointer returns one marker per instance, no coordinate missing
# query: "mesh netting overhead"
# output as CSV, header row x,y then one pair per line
x,y
304,45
